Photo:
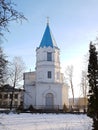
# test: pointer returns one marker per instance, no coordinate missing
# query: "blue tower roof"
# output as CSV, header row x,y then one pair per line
x,y
48,39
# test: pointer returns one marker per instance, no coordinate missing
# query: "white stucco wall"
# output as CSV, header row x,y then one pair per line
x,y
41,54
37,85
29,96
42,89
29,78
30,89
43,66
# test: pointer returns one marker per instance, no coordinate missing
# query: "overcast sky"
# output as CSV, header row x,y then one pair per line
x,y
74,23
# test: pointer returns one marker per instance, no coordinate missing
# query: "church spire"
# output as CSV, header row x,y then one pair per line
x,y
48,39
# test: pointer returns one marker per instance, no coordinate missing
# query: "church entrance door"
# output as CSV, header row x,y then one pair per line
x,y
49,101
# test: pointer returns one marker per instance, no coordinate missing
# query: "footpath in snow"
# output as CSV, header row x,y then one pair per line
x,y
45,122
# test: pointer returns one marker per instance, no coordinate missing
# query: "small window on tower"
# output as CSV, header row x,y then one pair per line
x,y
49,75
49,56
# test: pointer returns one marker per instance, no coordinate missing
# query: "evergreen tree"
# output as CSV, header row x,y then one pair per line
x,y
93,85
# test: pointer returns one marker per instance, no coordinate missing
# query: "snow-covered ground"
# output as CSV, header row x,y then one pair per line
x,y
29,121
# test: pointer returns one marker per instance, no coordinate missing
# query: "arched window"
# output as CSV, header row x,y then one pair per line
x,y
49,100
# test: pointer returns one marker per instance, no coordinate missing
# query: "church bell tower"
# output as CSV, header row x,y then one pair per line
x,y
47,59
45,85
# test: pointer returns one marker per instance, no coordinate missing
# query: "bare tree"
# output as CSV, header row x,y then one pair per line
x,y
15,71
8,14
69,78
84,79
84,87
15,74
3,64
84,83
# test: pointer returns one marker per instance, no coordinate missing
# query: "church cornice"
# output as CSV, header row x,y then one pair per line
x,y
50,83
48,66
48,62
47,48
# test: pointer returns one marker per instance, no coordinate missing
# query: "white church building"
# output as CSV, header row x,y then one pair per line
x,y
45,87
